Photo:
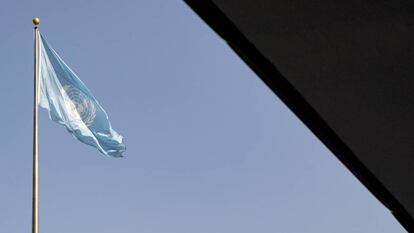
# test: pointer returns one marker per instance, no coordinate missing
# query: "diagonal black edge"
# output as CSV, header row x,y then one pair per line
x,y
269,74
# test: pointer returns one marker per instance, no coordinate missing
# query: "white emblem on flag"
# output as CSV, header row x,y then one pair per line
x,y
80,105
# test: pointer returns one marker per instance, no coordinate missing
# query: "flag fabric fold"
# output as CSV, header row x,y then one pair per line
x,y
70,103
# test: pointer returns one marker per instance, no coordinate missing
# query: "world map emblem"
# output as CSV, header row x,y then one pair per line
x,y
80,104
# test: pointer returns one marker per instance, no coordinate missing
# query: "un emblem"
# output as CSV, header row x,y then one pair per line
x,y
80,105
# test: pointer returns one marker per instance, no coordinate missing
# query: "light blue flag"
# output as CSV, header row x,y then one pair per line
x,y
70,103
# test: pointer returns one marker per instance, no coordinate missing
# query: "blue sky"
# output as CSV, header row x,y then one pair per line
x,y
209,147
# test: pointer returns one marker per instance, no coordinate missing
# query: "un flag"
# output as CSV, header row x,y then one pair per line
x,y
70,103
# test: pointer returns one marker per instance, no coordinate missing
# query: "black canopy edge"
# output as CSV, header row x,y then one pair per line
x,y
269,74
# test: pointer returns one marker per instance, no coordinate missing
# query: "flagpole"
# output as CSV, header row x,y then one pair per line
x,y
35,203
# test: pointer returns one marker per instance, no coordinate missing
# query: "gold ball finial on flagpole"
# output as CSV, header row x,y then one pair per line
x,y
36,21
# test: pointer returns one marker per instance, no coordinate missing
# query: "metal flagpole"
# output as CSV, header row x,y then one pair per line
x,y
35,203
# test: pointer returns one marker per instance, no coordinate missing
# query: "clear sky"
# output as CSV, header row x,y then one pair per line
x,y
210,148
